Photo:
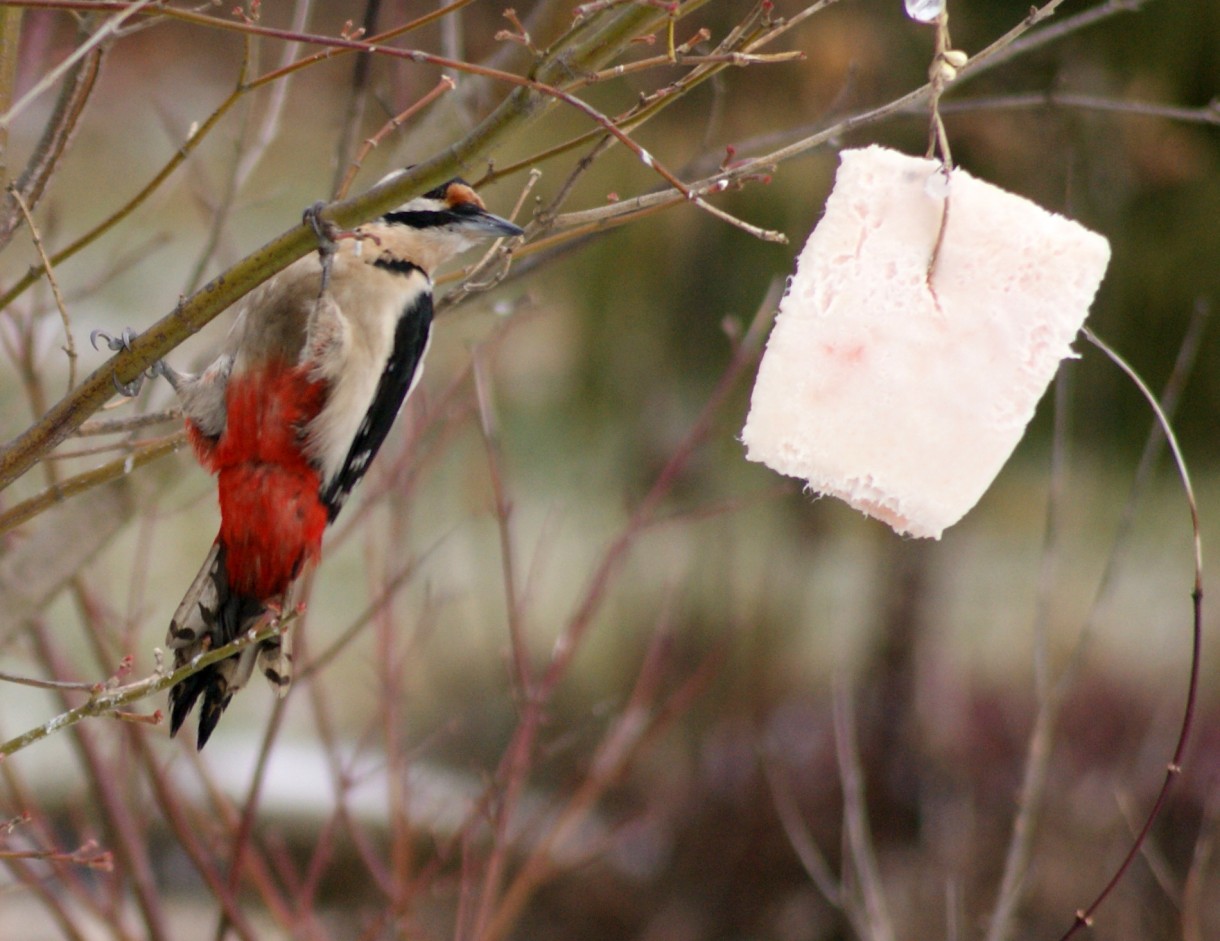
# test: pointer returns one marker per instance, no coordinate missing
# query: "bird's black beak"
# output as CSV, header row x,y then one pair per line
x,y
489,225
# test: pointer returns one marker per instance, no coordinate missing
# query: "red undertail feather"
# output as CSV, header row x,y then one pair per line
x,y
271,514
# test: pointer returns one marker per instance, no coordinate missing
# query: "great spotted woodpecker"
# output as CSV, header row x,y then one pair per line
x,y
288,418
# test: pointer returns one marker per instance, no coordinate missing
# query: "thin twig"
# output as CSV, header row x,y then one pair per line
x,y
523,680
638,724
875,917
77,88
61,305
446,84
1084,917
106,31
514,768
1017,43
1052,692
1194,903
114,426
56,493
39,683
799,837
1041,737
357,95
1205,114
110,700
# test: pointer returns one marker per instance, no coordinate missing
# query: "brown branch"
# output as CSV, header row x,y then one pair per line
x,y
113,426
522,676
27,509
60,304
445,84
78,86
95,40
1206,114
108,701
521,106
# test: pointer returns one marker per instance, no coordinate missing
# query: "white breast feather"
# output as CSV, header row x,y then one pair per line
x,y
358,322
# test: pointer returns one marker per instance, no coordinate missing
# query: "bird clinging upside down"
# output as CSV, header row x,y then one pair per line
x,y
292,412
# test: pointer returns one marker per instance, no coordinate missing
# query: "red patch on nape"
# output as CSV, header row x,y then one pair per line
x,y
271,517
457,194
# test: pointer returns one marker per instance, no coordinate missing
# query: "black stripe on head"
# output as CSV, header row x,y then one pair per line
x,y
456,203
433,218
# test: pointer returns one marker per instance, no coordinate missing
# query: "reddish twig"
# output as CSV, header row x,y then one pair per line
x,y
1084,917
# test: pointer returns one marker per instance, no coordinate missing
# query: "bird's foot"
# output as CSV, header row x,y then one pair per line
x,y
328,235
115,344
122,343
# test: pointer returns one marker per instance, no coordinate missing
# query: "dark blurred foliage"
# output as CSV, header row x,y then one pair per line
x,y
1151,185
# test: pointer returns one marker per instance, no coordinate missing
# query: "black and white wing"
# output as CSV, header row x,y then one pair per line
x,y
401,373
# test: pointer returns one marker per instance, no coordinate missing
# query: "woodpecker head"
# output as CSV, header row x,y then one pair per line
x,y
437,225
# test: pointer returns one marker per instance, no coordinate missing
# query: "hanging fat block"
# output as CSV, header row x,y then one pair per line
x,y
902,386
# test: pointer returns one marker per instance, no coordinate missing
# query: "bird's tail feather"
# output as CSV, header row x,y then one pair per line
x,y
210,616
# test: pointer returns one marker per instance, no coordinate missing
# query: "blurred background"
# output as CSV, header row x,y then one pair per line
x,y
748,663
